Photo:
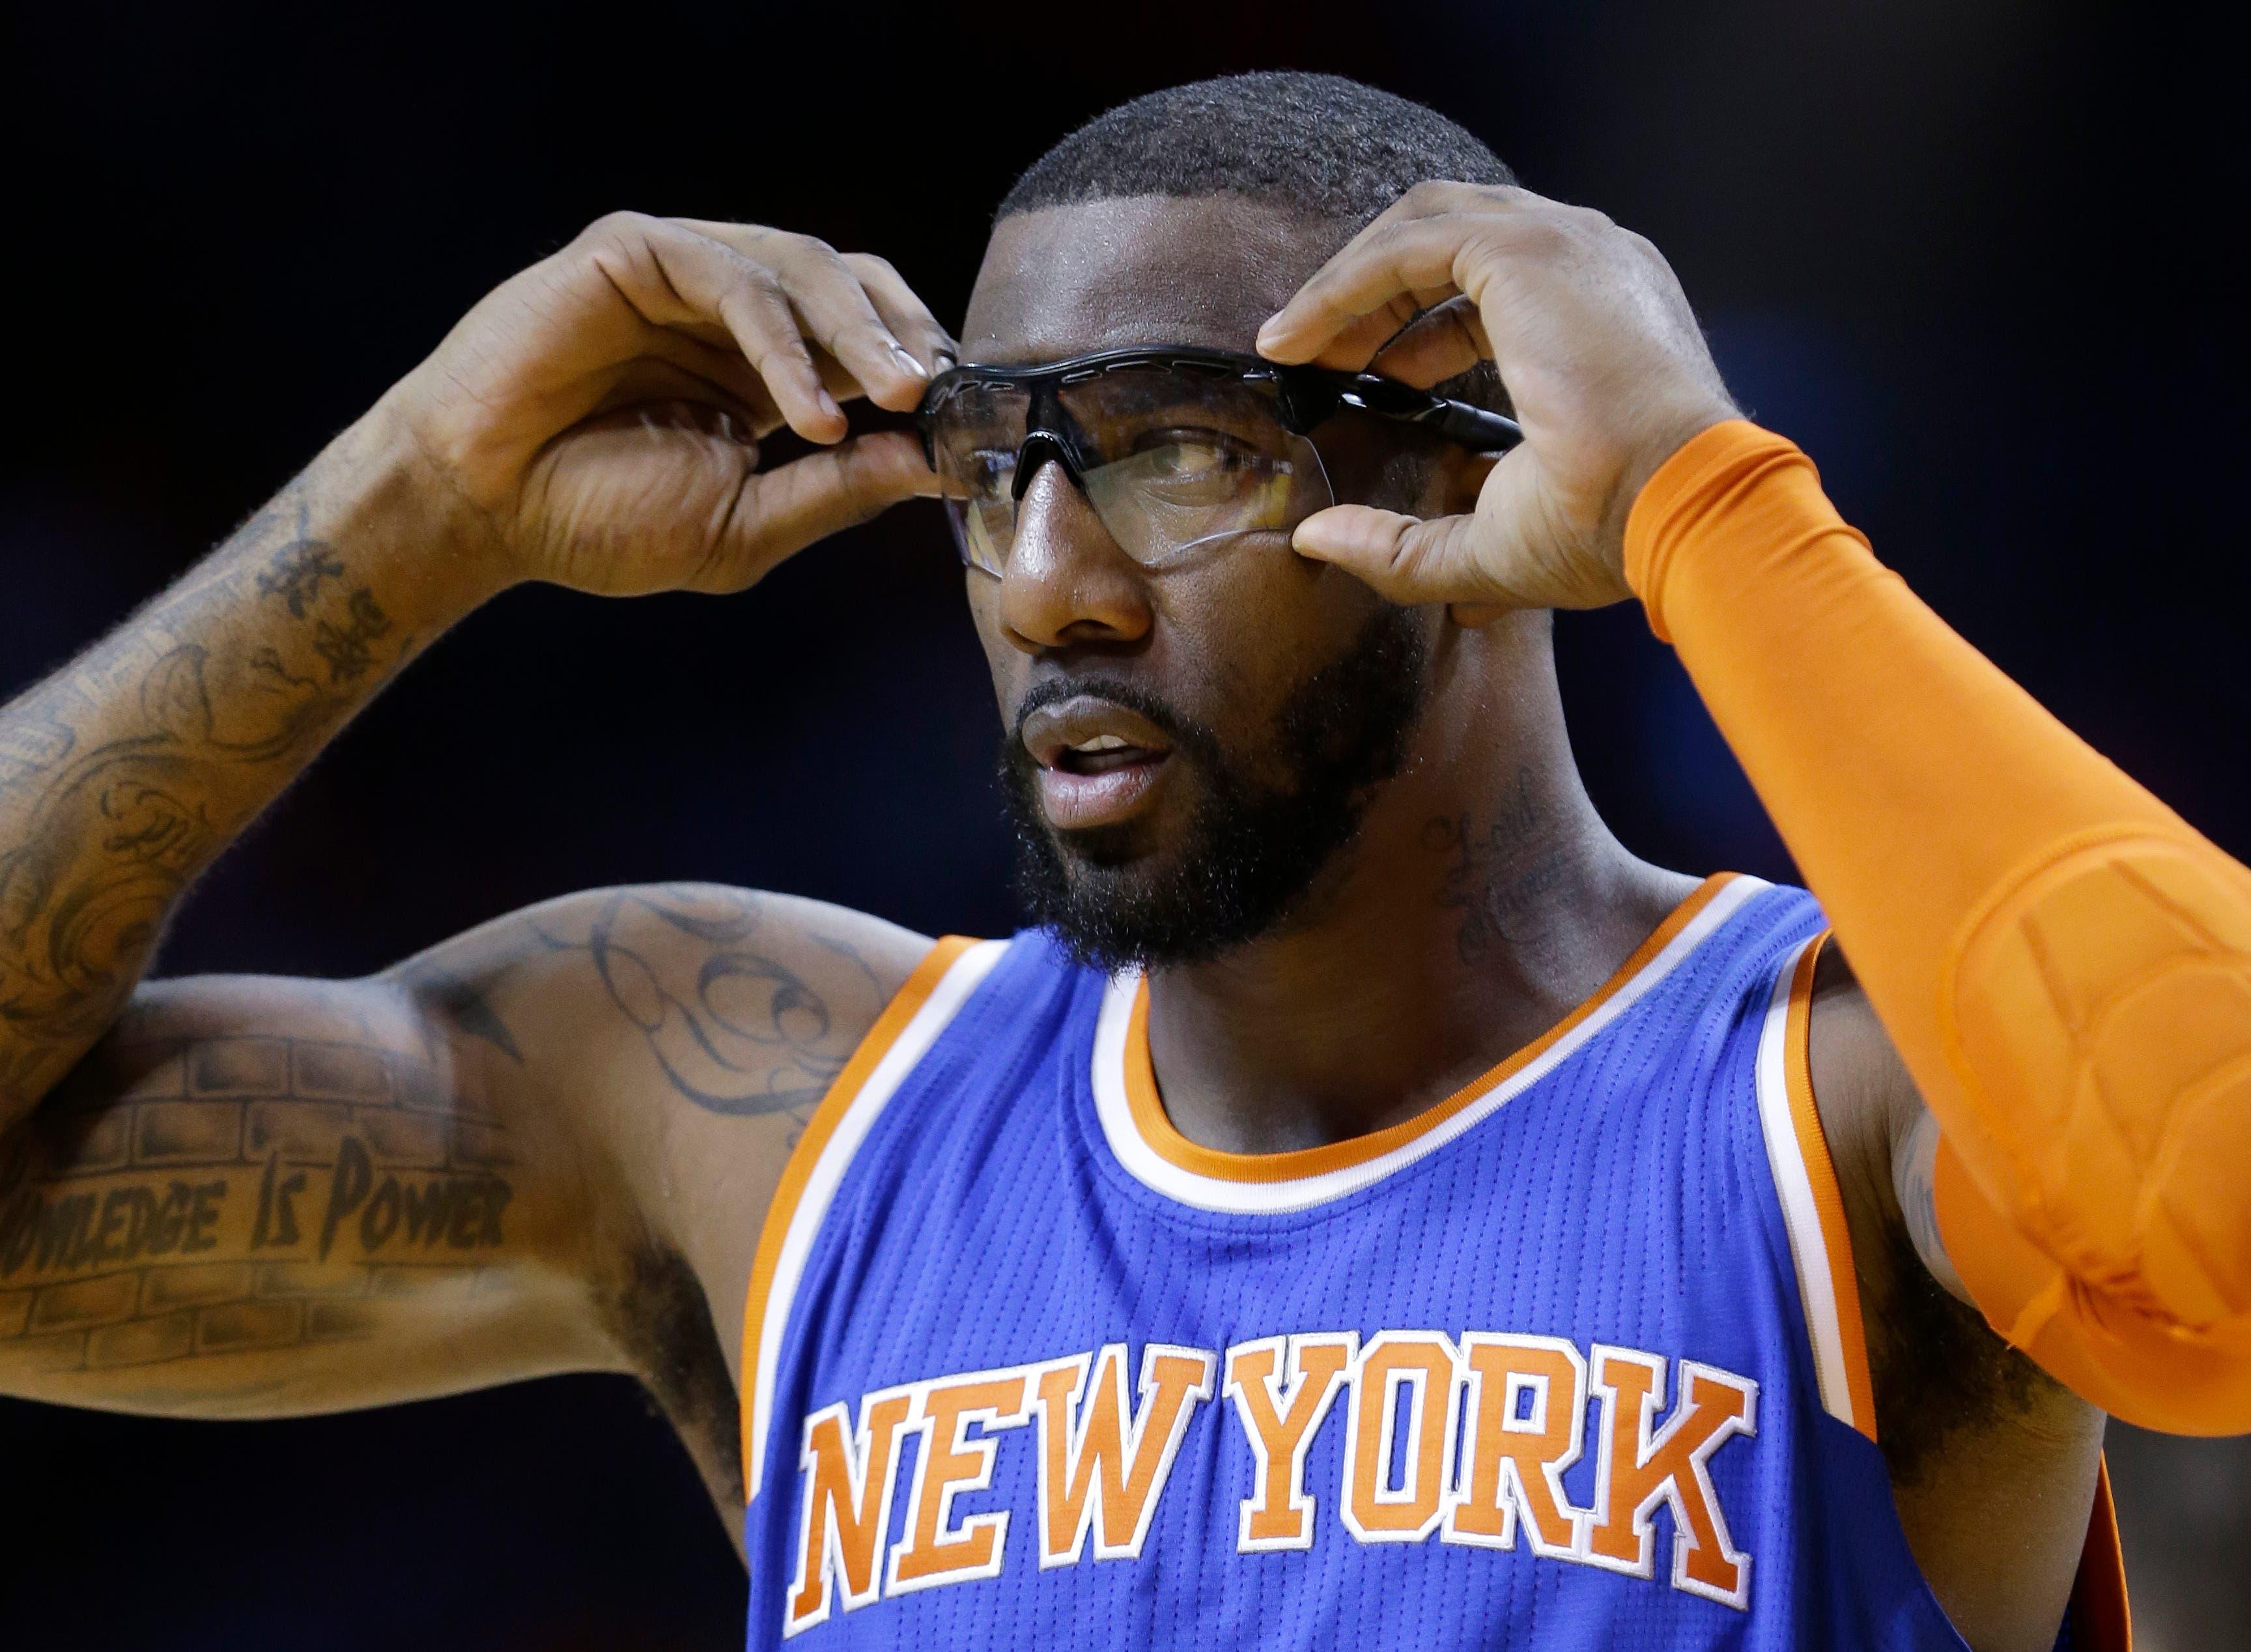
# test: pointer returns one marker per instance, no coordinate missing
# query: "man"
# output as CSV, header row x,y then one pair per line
x,y
1373,1205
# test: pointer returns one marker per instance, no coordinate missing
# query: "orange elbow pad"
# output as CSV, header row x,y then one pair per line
x,y
2098,1011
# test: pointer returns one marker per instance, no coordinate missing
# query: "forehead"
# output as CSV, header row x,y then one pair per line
x,y
1146,269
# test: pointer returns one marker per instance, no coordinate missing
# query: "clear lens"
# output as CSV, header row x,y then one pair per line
x,y
975,434
1191,489
1170,459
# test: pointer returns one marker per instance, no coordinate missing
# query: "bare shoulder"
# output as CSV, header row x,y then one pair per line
x,y
682,1034
740,1003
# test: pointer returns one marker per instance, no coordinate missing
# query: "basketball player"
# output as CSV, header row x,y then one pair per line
x,y
1370,1207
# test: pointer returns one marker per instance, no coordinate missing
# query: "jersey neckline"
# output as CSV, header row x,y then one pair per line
x,y
1142,1137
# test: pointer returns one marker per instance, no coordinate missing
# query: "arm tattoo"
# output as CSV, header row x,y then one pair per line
x,y
345,647
243,1194
736,1031
124,776
296,573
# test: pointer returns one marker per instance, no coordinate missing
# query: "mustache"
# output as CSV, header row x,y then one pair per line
x,y
1194,738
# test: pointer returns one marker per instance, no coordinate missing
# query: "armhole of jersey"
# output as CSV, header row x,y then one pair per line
x,y
941,983
1813,1211
1812,1205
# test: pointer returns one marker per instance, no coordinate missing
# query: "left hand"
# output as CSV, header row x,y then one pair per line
x,y
1591,334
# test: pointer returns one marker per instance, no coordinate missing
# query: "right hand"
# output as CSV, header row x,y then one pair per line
x,y
597,417
1606,368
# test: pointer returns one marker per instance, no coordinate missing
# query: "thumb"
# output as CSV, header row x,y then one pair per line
x,y
778,512
1405,559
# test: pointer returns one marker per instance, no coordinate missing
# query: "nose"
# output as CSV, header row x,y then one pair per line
x,y
1066,582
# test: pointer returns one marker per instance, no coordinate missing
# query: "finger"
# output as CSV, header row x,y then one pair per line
x,y
758,314
1418,203
1408,256
1436,197
1356,348
1404,560
840,315
905,312
1357,344
693,279
1447,339
833,307
778,512
835,378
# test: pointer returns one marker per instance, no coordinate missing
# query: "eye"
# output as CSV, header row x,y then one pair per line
x,y
1193,455
989,470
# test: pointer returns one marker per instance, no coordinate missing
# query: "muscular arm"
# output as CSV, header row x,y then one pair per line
x,y
125,774
2063,964
261,1197
594,422
545,1145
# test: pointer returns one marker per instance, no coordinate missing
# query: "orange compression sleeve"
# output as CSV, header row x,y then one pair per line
x,y
2064,964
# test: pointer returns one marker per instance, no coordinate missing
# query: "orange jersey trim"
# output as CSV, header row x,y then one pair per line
x,y
1156,1129
1828,1196
880,1038
2100,1620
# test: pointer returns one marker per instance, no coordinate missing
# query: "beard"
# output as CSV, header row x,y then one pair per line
x,y
1252,847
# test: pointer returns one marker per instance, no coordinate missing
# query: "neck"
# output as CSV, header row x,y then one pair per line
x,y
1480,902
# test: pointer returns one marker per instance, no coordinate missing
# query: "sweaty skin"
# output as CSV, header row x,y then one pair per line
x,y
547,1144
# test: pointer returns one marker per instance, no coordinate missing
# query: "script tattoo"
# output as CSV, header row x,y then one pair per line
x,y
244,1194
1497,875
734,1029
109,772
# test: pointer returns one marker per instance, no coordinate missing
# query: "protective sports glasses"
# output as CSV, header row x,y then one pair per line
x,y
1175,449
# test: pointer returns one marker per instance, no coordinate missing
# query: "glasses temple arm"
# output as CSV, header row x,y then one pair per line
x,y
1476,428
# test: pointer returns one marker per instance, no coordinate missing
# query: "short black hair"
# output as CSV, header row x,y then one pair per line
x,y
1318,144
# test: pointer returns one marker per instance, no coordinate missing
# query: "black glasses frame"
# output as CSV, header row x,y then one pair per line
x,y
1307,397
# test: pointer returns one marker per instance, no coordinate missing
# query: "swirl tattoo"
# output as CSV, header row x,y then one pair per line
x,y
738,1032
112,772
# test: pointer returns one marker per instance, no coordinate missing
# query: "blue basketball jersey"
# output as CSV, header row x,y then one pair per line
x,y
1571,1359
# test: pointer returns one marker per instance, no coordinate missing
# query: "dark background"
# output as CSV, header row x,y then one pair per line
x,y
1965,253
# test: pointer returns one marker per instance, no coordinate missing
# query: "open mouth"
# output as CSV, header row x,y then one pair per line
x,y
1099,762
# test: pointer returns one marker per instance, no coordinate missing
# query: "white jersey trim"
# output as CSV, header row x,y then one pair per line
x,y
1146,1165
1793,1182
913,1043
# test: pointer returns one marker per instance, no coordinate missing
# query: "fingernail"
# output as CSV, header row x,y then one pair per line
x,y
828,405
942,363
1270,331
908,364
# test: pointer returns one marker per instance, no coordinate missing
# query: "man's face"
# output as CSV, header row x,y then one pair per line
x,y
1186,747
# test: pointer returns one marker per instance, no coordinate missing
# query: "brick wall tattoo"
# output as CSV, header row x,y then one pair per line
x,y
246,1194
